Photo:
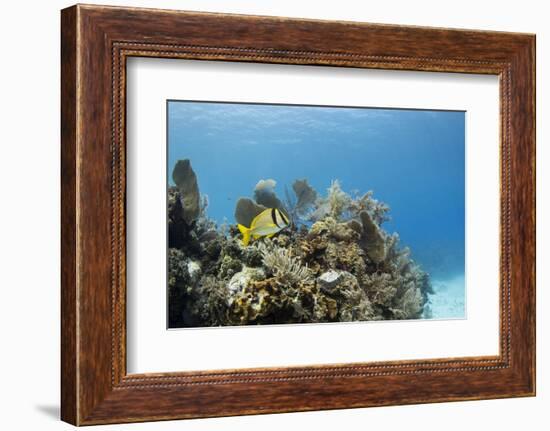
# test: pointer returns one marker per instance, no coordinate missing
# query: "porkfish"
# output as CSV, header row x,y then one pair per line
x,y
267,223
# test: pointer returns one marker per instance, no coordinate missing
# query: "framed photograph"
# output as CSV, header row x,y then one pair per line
x,y
322,214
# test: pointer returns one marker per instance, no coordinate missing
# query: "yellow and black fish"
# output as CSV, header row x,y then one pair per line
x,y
267,223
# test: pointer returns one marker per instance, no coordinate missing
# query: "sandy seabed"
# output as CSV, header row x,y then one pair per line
x,y
448,300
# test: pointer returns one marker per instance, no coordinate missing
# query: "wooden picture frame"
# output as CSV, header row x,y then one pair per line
x,y
95,42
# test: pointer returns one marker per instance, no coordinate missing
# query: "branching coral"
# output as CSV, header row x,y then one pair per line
x,y
338,200
343,206
376,209
286,268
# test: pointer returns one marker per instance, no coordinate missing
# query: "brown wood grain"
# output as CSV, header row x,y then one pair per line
x,y
96,41
69,367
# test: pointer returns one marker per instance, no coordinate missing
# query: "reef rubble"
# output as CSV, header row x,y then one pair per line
x,y
334,263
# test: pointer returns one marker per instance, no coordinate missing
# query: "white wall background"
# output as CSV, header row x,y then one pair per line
x,y
29,215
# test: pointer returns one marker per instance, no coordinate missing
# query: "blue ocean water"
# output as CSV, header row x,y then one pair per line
x,y
413,160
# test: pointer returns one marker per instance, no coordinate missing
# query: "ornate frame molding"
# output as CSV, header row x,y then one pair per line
x,y
96,41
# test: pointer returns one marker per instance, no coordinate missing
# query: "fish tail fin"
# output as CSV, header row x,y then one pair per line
x,y
246,234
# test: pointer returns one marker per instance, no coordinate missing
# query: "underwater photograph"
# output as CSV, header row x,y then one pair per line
x,y
294,214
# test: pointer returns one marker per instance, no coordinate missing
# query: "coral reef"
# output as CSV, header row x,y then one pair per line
x,y
335,263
